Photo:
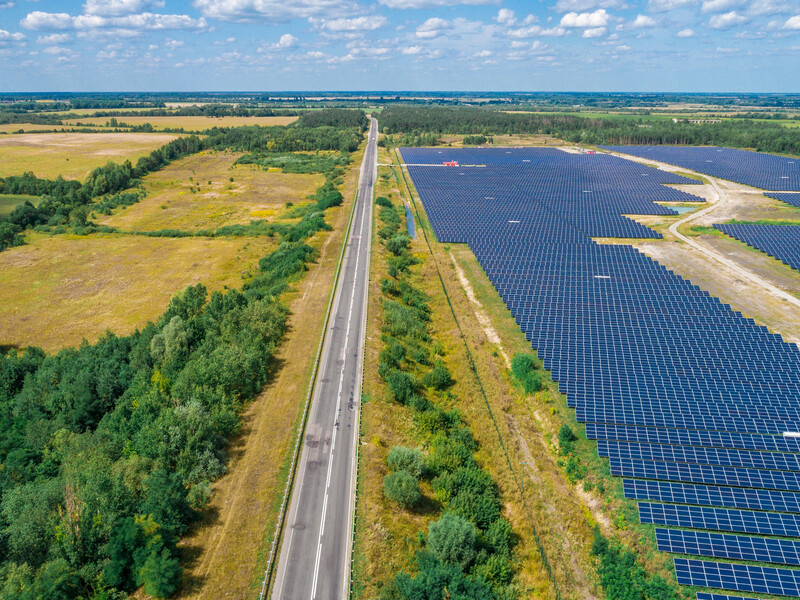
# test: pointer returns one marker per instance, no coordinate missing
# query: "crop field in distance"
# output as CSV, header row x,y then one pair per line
x,y
73,155
188,123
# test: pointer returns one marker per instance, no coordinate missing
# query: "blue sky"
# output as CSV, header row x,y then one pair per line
x,y
538,45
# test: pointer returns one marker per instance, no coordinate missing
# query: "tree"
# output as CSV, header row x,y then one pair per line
x,y
160,573
439,377
402,487
452,540
405,459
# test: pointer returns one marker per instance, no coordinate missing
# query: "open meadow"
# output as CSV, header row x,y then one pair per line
x,y
56,291
188,123
207,190
73,155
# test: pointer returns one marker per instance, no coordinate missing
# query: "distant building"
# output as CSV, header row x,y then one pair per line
x,y
697,121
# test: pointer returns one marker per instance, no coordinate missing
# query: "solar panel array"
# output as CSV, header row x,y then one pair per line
x,y
742,578
757,169
779,241
687,398
705,596
793,199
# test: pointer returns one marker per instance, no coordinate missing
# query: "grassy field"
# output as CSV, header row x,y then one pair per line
x,y
55,291
73,155
28,127
188,123
9,201
181,197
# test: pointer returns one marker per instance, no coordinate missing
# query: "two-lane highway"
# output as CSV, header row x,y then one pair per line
x,y
314,559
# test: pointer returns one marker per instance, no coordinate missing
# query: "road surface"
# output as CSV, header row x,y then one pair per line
x,y
314,559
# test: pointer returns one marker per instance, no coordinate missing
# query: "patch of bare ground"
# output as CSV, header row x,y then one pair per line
x,y
224,554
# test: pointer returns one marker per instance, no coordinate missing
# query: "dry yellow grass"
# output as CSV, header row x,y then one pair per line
x,y
253,194
188,123
15,127
55,291
73,155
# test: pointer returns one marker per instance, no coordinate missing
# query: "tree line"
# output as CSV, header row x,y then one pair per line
x,y
735,133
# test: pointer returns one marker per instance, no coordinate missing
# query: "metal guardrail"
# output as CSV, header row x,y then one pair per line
x,y
279,526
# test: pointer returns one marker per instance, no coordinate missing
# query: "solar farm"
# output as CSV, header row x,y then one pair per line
x,y
756,169
696,407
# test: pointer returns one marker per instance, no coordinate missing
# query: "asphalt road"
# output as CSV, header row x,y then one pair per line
x,y
314,559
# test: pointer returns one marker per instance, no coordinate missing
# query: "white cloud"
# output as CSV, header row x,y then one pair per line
x,y
641,21
536,31
7,36
366,23
792,22
770,7
53,39
483,54
173,44
279,11
418,4
719,5
411,50
594,32
623,48
598,18
56,50
433,27
726,20
119,7
286,41
685,33
38,20
505,16
586,5
6,5
666,5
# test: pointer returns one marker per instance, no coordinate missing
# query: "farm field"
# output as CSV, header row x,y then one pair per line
x,y
8,128
73,155
56,291
181,197
188,123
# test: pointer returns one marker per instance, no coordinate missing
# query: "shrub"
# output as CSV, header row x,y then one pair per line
x,y
566,439
384,201
452,540
406,459
402,385
438,378
524,368
402,487
398,244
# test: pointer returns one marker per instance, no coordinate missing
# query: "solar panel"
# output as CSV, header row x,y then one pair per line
x,y
709,495
720,519
740,578
734,547
706,596
779,241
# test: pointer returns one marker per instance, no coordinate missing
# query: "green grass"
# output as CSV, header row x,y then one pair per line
x,y
9,201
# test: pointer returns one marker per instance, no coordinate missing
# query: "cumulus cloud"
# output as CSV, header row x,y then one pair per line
x,y
7,36
667,5
726,20
433,27
770,7
418,4
277,11
411,50
54,39
505,16
536,31
286,41
719,5
119,7
685,33
366,23
587,5
792,22
598,18
38,21
594,32
641,21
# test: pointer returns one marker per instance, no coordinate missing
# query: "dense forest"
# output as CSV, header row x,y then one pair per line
x,y
108,451
736,133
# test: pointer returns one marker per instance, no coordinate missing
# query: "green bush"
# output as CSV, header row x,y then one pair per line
x,y
438,378
402,385
384,202
398,244
410,460
402,487
524,368
452,540
566,439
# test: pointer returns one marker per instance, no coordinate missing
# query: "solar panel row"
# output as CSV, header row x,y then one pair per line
x,y
743,578
724,545
688,398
